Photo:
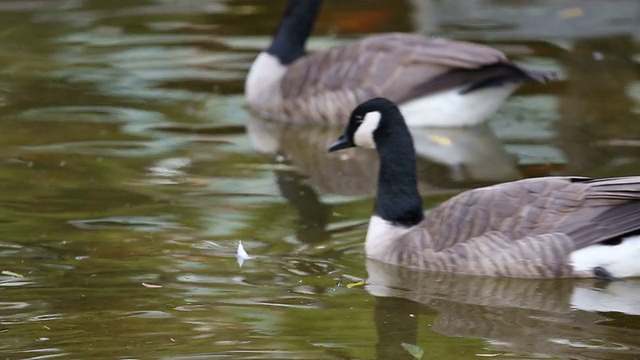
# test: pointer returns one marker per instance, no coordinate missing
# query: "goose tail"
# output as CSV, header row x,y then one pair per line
x,y
620,188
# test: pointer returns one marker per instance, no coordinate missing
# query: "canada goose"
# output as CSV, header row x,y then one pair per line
x,y
462,82
550,227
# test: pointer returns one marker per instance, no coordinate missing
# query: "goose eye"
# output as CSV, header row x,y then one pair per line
x,y
359,119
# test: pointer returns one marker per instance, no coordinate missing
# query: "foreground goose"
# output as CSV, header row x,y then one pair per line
x,y
462,82
550,227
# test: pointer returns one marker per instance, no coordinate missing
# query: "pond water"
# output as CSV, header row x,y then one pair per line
x,y
131,170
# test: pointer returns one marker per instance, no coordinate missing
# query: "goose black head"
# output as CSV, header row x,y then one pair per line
x,y
365,123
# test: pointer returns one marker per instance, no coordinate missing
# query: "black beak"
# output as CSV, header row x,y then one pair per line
x,y
342,143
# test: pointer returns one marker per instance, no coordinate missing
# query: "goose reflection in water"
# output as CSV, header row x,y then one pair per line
x,y
455,157
513,316
449,160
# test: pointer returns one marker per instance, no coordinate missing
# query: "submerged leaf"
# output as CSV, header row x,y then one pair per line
x,y
414,350
441,140
570,13
359,283
11,273
151,286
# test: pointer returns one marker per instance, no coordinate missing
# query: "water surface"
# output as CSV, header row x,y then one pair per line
x,y
131,169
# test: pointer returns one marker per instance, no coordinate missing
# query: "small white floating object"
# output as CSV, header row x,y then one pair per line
x,y
151,286
242,254
11,273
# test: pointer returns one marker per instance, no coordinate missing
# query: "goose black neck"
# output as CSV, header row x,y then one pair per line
x,y
294,30
398,200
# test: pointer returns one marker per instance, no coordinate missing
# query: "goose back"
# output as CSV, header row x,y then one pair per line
x,y
325,86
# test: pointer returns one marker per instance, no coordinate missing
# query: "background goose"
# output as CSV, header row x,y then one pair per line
x,y
548,227
462,82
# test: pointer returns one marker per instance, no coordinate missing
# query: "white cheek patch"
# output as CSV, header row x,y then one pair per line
x,y
364,134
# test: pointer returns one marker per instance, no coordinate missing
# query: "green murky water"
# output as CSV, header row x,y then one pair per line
x,y
131,170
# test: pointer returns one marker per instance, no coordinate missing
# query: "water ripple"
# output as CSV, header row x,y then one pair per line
x,y
133,223
111,148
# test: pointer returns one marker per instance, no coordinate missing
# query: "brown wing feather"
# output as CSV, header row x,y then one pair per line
x,y
612,209
606,225
327,85
515,208
493,253
587,211
473,79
